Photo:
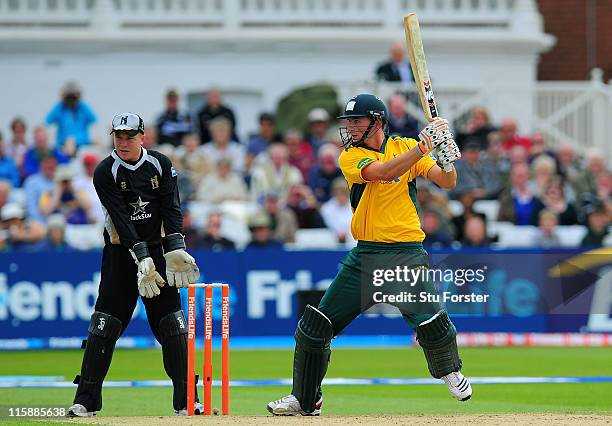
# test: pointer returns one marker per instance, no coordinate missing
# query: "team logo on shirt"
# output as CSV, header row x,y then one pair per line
x,y
363,162
123,185
139,210
154,182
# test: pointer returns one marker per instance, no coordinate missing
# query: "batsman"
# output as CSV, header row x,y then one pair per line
x,y
380,171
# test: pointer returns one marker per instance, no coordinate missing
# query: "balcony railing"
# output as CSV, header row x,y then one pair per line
x,y
235,15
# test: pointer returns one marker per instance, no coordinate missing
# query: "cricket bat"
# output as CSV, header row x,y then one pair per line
x,y
414,43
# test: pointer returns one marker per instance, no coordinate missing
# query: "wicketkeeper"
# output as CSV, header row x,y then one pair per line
x,y
381,172
144,249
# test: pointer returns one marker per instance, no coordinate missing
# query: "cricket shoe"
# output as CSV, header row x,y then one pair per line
x,y
78,410
290,406
198,409
458,386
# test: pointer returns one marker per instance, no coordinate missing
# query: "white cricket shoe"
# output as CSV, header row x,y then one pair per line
x,y
198,409
458,386
78,410
290,406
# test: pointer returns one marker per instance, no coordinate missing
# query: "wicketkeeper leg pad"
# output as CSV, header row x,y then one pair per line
x,y
312,353
104,330
173,332
438,338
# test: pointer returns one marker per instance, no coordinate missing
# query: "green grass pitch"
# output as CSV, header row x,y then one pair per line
x,y
341,400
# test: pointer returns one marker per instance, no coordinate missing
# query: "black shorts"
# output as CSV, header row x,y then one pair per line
x,y
118,292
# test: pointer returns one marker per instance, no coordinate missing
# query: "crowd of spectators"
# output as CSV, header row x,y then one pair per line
x,y
274,185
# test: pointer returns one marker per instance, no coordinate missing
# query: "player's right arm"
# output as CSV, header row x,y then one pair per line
x,y
112,201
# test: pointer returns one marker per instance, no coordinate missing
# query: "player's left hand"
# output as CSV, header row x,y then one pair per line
x,y
448,152
181,268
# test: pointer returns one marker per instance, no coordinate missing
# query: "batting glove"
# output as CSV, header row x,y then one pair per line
x,y
448,153
181,268
434,134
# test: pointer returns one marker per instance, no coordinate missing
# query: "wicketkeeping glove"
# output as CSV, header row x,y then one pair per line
x,y
181,268
149,279
434,134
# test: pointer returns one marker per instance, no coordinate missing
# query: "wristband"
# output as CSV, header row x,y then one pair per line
x,y
141,250
173,242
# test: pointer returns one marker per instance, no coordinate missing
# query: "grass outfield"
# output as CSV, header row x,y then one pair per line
x,y
341,400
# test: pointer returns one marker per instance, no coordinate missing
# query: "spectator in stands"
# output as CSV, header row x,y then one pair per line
x,y
569,165
274,175
518,203
261,141
212,109
324,173
222,185
400,122
301,200
518,154
150,138
17,233
192,159
547,235
212,238
33,156
184,181
475,175
494,157
467,199
603,191
598,222
189,231
510,136
172,124
72,116
475,233
83,183
586,183
222,146
261,233
8,168
318,128
5,192
37,184
477,129
55,240
538,149
434,235
543,172
396,69
282,219
64,199
430,199
300,153
337,213
18,144
555,202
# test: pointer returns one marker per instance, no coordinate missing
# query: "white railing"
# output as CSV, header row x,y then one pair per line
x,y
575,112
231,15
